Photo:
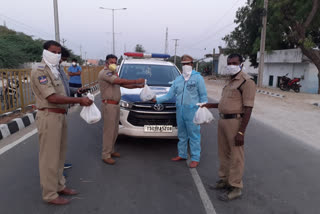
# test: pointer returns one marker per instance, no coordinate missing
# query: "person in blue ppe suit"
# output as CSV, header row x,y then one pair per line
x,y
189,89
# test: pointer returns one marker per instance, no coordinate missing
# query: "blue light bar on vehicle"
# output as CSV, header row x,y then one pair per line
x,y
145,55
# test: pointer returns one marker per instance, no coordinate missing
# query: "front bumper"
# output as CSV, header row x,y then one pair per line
x,y
125,128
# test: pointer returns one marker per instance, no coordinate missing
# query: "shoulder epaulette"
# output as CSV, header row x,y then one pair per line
x,y
41,67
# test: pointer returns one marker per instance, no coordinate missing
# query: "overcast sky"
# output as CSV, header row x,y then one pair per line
x,y
199,25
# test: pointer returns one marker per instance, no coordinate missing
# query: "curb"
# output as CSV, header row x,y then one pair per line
x,y
17,124
270,93
316,104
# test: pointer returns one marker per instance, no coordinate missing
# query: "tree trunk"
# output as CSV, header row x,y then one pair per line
x,y
314,56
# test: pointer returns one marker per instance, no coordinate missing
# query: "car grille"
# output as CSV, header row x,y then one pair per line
x,y
141,119
148,107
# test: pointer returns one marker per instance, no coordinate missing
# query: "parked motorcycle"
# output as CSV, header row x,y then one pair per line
x,y
286,84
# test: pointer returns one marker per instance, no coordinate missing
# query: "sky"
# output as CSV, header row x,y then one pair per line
x,y
199,25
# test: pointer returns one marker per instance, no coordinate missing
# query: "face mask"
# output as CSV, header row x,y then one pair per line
x,y
74,64
232,69
186,72
51,58
113,67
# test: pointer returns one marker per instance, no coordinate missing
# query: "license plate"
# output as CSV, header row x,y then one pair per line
x,y
157,128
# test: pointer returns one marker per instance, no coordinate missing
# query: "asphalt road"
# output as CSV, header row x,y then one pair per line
x,y
281,175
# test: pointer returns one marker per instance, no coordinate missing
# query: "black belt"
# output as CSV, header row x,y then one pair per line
x,y
54,110
230,116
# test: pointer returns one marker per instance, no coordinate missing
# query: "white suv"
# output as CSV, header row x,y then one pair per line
x,y
147,119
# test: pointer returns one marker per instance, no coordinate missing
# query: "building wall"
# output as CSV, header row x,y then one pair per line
x,y
283,56
306,71
311,79
280,62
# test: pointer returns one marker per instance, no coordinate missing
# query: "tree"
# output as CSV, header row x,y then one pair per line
x,y
291,24
178,62
205,67
18,48
120,60
139,48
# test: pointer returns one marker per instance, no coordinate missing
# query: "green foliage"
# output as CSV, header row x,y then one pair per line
x,y
205,67
120,60
283,17
139,48
178,61
18,48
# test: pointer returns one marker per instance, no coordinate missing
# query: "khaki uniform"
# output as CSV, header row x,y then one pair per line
x,y
239,92
111,112
52,129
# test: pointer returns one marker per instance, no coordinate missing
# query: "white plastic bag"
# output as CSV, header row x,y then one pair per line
x,y
147,94
90,114
202,116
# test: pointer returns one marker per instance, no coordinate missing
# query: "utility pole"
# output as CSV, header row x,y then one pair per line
x,y
213,53
4,23
80,51
63,41
56,20
113,36
166,43
113,42
262,44
175,50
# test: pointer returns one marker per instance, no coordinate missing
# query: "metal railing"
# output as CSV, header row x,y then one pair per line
x,y
15,89
89,74
15,86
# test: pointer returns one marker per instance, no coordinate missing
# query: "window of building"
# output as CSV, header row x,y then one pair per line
x,y
270,80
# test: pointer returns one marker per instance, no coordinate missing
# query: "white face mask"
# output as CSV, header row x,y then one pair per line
x,y
232,69
51,58
186,72
74,64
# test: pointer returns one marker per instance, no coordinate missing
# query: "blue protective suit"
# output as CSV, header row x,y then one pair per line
x,y
188,94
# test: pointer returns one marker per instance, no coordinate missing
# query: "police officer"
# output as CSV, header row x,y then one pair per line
x,y
110,83
52,104
235,109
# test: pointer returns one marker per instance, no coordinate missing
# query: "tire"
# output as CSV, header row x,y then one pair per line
x,y
296,89
283,87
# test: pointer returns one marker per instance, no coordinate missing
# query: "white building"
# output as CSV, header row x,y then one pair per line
x,y
292,62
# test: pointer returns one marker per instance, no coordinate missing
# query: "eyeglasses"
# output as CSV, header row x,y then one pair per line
x,y
189,63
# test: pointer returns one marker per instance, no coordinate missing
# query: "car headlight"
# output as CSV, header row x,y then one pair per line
x,y
125,104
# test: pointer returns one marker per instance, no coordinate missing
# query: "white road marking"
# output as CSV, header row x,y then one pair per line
x,y
13,144
202,191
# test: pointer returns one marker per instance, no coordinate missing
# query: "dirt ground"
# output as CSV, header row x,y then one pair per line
x,y
294,114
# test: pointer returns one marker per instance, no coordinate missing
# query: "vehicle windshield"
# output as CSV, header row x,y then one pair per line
x,y
156,75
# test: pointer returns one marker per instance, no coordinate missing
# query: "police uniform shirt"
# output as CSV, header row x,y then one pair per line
x,y
239,92
109,91
44,84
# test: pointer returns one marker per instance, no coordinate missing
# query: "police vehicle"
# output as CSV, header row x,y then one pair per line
x,y
147,119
